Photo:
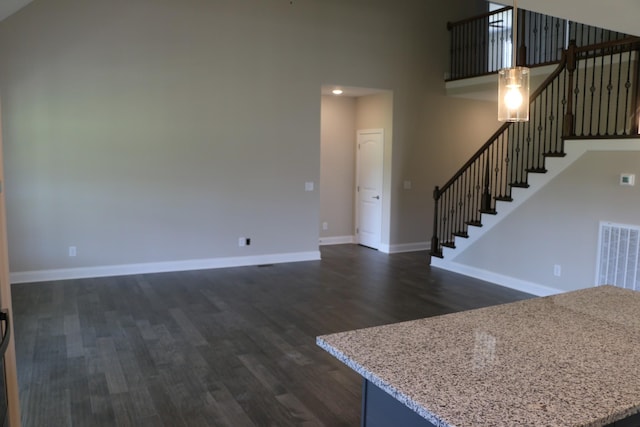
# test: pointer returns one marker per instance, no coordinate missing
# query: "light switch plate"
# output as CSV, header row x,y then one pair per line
x,y
627,179
308,186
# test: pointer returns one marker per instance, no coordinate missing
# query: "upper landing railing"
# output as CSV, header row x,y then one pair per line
x,y
483,44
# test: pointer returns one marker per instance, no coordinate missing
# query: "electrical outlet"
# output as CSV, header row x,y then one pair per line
x,y
557,270
73,251
242,241
325,225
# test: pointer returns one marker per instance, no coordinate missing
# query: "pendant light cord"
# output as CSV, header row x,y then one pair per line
x,y
514,27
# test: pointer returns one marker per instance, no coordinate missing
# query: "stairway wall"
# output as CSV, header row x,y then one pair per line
x,y
559,224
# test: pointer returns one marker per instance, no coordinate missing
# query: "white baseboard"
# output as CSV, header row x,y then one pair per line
x,y
337,240
404,247
383,247
498,279
159,267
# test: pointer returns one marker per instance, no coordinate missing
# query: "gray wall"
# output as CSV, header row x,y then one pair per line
x,y
159,131
337,165
559,224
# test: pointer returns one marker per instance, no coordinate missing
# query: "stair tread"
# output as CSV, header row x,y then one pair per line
x,y
536,170
554,154
461,234
519,185
504,198
474,223
489,211
449,245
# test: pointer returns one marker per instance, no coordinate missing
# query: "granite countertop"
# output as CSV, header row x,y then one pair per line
x,y
566,360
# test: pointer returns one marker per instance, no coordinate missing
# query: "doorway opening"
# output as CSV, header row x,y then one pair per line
x,y
350,212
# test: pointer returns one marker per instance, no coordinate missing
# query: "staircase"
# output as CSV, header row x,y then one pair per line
x,y
592,94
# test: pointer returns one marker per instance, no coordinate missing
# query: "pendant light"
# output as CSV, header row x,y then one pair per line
x,y
513,84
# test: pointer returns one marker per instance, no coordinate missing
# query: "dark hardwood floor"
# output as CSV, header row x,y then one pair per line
x,y
227,347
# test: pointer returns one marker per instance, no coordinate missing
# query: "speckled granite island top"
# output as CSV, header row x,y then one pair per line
x,y
567,360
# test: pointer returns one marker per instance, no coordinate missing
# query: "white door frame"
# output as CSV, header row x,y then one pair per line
x,y
10,359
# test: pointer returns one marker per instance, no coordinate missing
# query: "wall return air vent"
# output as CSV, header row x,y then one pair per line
x,y
618,261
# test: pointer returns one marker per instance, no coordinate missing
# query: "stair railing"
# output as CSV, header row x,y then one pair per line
x,y
482,44
592,93
604,84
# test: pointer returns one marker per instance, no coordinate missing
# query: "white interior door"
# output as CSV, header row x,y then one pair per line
x,y
369,187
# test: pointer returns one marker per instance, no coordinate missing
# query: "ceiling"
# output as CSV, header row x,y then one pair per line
x,y
9,7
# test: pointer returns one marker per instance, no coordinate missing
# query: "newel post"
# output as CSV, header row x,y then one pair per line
x,y
435,241
568,126
635,107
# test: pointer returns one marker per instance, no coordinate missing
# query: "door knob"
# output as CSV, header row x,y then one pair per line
x,y
376,197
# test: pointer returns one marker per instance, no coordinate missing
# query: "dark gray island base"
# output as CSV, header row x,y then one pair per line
x,y
379,409
566,360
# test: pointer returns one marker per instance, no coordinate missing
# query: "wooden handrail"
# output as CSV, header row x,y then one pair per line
x,y
632,41
504,127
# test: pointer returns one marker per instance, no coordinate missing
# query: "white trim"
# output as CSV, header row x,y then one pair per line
x,y
404,247
337,240
160,267
496,278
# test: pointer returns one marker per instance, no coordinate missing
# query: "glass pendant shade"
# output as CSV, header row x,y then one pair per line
x,y
513,94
